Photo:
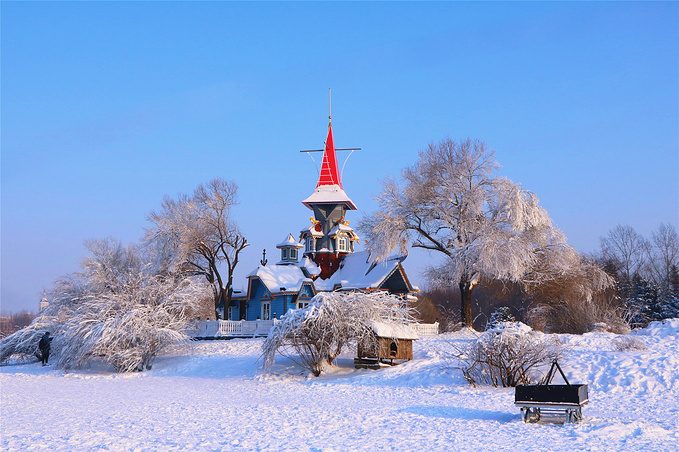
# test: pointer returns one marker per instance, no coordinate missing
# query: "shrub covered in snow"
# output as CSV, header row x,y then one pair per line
x,y
628,343
507,355
314,336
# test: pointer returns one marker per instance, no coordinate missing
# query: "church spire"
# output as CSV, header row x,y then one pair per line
x,y
330,174
329,190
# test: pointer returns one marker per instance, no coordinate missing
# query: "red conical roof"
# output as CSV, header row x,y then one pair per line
x,y
329,188
330,174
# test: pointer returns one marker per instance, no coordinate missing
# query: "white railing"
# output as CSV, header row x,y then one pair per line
x,y
427,329
252,328
233,328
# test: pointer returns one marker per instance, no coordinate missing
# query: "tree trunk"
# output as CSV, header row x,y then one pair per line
x,y
466,289
219,301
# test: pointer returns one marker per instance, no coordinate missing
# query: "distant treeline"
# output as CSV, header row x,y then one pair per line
x,y
14,322
646,272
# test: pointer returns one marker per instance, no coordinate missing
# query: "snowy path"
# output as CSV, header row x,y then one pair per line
x,y
215,399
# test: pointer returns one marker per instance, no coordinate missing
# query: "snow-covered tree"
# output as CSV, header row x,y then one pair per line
x,y
643,303
314,336
24,343
647,302
197,235
120,309
486,226
500,315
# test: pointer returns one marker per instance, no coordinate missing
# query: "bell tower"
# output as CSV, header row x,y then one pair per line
x,y
329,238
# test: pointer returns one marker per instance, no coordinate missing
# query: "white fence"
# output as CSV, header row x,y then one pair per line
x,y
255,328
427,329
232,328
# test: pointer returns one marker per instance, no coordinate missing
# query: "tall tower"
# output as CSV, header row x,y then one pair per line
x,y
329,238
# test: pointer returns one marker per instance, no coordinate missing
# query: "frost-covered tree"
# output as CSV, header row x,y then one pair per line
x,y
197,235
486,226
120,309
643,304
314,336
24,343
500,315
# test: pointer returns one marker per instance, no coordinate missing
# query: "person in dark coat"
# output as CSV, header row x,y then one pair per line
x,y
44,346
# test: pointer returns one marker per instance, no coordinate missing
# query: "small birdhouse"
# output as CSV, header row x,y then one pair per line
x,y
389,345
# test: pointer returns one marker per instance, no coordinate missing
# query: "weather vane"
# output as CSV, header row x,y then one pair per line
x,y
336,149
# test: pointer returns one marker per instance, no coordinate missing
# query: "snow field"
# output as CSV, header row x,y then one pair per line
x,y
215,398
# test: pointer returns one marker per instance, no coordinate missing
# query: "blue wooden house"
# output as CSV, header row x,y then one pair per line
x,y
323,259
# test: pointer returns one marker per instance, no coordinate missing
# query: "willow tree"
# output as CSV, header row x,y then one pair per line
x,y
197,235
119,309
450,201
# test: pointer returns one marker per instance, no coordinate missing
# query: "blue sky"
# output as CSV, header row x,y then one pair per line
x,y
107,107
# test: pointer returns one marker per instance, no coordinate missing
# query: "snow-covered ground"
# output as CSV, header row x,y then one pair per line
x,y
215,398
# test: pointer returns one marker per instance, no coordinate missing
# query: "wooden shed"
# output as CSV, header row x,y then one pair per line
x,y
391,344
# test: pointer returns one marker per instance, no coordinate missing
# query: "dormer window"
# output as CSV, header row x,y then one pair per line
x,y
289,254
342,244
309,245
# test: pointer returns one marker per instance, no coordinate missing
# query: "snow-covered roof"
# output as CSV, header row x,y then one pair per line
x,y
329,194
275,277
290,241
310,266
312,230
359,271
395,331
341,227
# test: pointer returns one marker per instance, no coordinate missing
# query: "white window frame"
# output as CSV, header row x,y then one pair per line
x,y
229,315
301,304
284,254
266,310
342,244
293,254
309,244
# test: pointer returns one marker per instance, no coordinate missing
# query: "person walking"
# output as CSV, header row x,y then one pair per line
x,y
44,346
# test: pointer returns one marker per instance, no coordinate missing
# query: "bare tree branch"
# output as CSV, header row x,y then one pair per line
x,y
198,232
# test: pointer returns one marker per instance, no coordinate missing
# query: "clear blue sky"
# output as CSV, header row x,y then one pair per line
x,y
106,107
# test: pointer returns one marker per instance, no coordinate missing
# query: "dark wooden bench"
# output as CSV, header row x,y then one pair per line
x,y
548,402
